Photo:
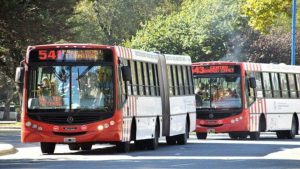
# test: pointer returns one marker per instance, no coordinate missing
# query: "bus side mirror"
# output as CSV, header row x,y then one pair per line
x,y
126,73
19,78
252,82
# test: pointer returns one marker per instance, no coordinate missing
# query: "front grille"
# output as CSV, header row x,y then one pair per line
x,y
69,119
216,114
69,134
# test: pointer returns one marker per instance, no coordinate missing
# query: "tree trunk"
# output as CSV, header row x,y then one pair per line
x,y
7,106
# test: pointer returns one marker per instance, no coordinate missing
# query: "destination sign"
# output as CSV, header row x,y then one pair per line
x,y
66,55
213,69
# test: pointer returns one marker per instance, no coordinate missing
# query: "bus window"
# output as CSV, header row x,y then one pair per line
x,y
298,84
180,82
151,79
146,82
170,80
292,85
275,85
267,85
283,85
185,80
258,80
176,86
134,77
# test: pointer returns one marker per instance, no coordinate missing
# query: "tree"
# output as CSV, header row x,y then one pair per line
x,y
24,23
114,21
204,29
265,14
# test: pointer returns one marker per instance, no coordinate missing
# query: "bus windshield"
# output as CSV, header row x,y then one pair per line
x,y
218,91
70,88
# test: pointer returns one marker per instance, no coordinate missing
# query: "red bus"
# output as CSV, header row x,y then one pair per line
x,y
84,94
244,99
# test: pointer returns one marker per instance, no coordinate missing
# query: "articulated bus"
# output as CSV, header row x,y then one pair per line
x,y
84,94
244,99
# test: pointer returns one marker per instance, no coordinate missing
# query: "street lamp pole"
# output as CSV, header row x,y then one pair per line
x,y
293,53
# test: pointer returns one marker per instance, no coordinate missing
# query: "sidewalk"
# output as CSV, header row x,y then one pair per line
x,y
6,149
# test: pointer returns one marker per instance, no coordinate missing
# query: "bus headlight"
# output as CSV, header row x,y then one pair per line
x,y
28,124
100,127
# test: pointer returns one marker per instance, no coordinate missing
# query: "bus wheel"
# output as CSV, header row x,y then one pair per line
x,y
233,135
254,135
171,140
201,136
291,133
182,138
86,147
74,146
123,147
47,148
152,144
280,134
139,144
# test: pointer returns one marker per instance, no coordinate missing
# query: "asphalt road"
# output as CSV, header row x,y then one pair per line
x,y
218,151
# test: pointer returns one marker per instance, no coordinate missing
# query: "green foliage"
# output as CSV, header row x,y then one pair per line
x,y
265,14
202,29
114,21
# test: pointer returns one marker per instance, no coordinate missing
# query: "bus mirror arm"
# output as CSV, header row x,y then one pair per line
x,y
126,73
252,82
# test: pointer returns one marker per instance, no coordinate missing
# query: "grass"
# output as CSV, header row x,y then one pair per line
x,y
16,124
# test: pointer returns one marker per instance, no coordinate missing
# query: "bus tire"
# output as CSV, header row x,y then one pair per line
x,y
171,140
290,134
123,147
152,144
86,146
182,138
280,134
139,144
74,146
47,148
254,135
201,136
233,136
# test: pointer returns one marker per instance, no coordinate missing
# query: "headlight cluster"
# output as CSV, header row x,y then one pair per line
x,y
34,126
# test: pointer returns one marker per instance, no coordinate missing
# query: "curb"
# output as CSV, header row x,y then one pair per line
x,y
6,149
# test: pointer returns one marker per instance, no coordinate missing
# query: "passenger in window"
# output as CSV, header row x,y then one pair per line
x,y
45,87
198,98
105,80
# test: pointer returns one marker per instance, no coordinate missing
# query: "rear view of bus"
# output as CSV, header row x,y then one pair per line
x,y
219,103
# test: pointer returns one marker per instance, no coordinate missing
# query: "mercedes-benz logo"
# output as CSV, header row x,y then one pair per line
x,y
211,116
70,119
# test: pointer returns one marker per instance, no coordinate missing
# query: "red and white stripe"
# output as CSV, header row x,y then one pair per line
x,y
124,52
255,67
129,110
257,108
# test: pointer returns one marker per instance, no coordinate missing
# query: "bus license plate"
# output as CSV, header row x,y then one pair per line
x,y
70,140
211,131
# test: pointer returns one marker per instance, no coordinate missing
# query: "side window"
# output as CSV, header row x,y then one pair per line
x,y
121,89
267,85
180,82
190,77
292,85
185,80
140,79
298,84
146,82
250,91
283,85
174,70
134,77
151,78
275,85
170,80
259,89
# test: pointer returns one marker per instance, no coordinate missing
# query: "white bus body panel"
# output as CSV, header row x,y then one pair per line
x,y
180,106
280,113
148,109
